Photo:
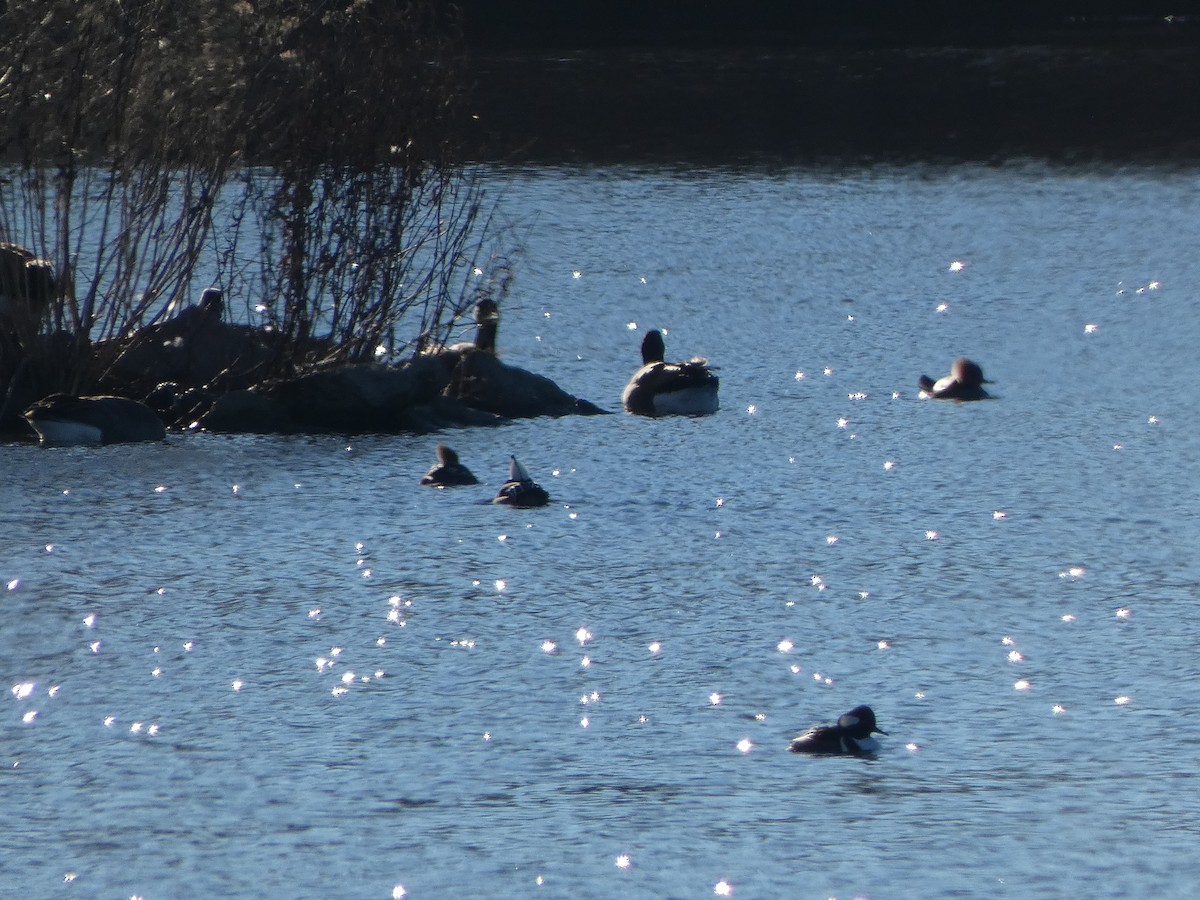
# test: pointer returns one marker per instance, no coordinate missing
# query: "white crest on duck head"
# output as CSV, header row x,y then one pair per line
x,y
516,471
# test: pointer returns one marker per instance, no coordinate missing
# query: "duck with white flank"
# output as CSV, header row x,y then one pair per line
x,y
448,471
850,736
520,489
661,389
965,382
62,420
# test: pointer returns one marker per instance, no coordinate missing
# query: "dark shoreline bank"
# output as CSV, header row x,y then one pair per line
x,y
499,25
1111,104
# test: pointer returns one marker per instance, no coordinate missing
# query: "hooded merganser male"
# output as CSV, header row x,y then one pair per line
x,y
659,388
851,735
448,471
62,420
965,382
520,489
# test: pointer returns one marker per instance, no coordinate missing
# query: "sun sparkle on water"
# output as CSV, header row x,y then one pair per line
x,y
23,690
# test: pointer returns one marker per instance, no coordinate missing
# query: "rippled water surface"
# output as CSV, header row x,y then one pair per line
x,y
250,667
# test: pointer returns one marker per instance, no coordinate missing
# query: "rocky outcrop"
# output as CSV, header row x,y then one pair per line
x,y
481,381
449,388
197,371
194,348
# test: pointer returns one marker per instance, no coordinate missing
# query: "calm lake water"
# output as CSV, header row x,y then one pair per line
x,y
276,667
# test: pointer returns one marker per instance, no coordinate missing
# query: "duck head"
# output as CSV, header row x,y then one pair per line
x,y
860,722
653,347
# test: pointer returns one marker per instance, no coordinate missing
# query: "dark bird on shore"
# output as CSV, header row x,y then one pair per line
x,y
850,736
660,388
521,490
487,324
62,420
448,471
965,382
27,286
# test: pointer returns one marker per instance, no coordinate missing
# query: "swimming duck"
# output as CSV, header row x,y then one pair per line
x,y
520,489
851,735
965,382
448,471
63,420
660,388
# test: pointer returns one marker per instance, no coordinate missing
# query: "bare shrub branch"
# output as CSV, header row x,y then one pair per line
x,y
300,153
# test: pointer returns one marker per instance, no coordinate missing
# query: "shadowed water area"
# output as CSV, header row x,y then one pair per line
x,y
251,666
832,106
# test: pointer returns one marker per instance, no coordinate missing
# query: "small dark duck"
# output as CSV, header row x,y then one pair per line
x,y
850,736
521,490
965,382
448,471
65,421
662,389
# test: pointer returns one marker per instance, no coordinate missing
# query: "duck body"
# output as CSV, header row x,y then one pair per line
x,y
62,420
660,388
965,382
520,490
851,736
448,471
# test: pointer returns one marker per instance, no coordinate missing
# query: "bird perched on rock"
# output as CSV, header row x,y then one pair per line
x,y
63,420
